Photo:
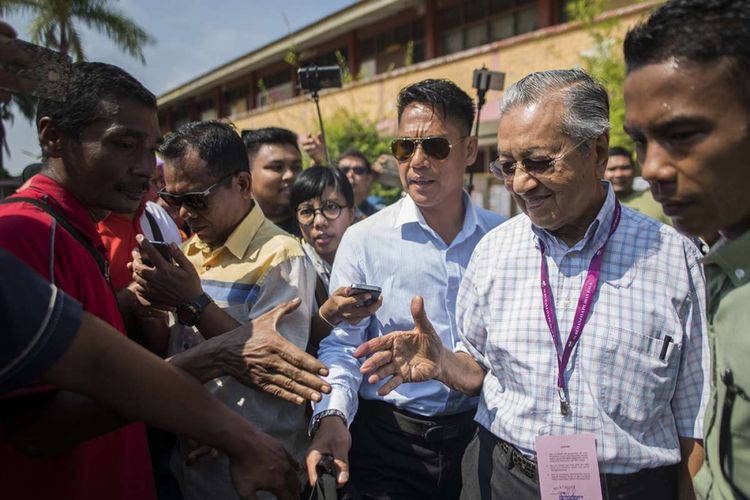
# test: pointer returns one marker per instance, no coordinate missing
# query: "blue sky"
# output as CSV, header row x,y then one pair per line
x,y
193,36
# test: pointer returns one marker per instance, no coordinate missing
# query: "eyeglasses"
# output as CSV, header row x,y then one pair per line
x,y
329,209
194,200
506,169
435,147
357,170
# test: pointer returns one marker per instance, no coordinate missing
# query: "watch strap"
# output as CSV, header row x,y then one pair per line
x,y
318,417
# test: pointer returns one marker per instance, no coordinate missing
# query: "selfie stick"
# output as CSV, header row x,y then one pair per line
x,y
313,79
483,80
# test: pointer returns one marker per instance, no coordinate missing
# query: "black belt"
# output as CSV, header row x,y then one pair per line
x,y
432,429
525,465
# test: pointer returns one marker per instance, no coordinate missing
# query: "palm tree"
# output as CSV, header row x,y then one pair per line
x,y
53,24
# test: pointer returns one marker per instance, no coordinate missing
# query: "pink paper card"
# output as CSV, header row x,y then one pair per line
x,y
567,466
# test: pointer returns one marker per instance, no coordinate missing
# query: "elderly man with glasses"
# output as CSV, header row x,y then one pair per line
x,y
409,444
579,316
237,266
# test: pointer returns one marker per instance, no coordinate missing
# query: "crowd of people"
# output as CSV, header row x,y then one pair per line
x,y
186,318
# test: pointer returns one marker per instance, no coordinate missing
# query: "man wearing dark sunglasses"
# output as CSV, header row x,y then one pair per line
x,y
355,165
409,444
579,316
235,267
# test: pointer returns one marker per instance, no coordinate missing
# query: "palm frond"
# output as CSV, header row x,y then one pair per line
x,y
127,35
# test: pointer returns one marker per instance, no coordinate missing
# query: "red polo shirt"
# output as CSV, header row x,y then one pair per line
x,y
118,233
113,466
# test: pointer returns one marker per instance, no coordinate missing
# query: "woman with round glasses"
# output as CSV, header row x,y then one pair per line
x,y
323,203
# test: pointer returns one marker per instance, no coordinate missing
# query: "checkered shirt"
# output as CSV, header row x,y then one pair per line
x,y
626,384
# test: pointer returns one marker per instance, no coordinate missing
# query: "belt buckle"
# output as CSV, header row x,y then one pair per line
x,y
433,434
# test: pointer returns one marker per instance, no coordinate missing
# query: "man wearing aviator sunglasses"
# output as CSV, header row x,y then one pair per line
x,y
357,168
409,445
237,266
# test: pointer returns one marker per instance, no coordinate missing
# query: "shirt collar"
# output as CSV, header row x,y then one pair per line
x,y
238,241
409,213
597,232
75,212
733,258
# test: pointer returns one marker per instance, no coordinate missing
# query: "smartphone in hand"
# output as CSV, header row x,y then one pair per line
x,y
359,289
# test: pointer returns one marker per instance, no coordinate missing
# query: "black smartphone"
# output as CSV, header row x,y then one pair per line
x,y
359,289
163,248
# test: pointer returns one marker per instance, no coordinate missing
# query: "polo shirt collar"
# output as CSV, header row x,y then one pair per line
x,y
238,241
75,212
409,213
597,232
733,258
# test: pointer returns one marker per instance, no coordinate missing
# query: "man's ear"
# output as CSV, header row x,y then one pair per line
x,y
601,154
472,147
245,182
51,138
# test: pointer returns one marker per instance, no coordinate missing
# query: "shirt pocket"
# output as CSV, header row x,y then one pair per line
x,y
637,375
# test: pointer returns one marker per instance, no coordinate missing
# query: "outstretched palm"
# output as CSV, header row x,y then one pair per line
x,y
411,356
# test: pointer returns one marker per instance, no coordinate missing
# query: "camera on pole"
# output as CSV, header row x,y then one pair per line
x,y
314,78
483,80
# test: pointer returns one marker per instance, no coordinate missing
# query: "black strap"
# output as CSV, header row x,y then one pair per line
x,y
725,427
101,261
155,230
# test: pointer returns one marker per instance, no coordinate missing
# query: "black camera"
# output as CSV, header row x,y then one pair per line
x,y
314,78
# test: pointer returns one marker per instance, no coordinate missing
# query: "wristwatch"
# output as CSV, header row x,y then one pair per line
x,y
189,313
315,422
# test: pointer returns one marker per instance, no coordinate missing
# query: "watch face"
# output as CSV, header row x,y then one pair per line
x,y
186,314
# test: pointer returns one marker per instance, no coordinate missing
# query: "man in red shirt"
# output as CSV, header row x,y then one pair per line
x,y
99,149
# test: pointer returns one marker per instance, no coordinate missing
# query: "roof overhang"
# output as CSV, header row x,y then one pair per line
x,y
360,14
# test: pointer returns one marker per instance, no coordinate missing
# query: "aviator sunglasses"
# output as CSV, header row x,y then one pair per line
x,y
195,200
435,147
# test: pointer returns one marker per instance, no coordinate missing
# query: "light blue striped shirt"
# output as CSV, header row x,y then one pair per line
x,y
396,250
632,389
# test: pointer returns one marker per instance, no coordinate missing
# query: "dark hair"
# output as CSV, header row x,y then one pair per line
x,y
698,31
444,97
217,143
311,183
254,139
90,84
621,151
355,153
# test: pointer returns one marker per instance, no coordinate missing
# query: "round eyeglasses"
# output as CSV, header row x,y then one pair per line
x,y
329,209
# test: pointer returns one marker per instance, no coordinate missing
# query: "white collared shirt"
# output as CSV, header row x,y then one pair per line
x,y
396,250
635,391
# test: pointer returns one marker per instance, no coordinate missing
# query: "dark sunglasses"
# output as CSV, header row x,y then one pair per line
x,y
330,210
357,170
195,200
435,147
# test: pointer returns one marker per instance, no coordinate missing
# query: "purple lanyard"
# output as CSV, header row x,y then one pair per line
x,y
582,310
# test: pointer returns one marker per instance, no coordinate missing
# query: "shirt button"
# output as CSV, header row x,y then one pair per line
x,y
740,273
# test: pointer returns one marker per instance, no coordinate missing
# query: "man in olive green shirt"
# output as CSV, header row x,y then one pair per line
x,y
620,172
687,106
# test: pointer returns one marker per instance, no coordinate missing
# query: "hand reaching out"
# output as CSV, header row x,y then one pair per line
x,y
411,356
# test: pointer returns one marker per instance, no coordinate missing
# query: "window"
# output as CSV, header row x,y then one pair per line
x,y
275,87
392,48
470,23
235,100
